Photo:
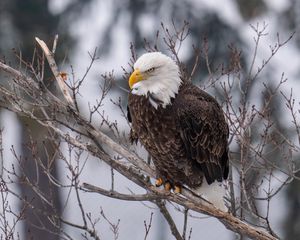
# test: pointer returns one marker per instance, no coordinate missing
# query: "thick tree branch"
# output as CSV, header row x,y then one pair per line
x,y
121,196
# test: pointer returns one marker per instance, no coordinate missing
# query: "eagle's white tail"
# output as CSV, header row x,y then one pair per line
x,y
214,193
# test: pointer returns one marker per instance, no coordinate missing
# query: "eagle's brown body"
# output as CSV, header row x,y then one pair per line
x,y
187,139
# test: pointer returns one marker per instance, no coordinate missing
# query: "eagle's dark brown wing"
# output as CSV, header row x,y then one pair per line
x,y
132,136
129,115
204,131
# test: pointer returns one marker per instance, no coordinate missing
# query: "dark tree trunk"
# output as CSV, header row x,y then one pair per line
x,y
38,151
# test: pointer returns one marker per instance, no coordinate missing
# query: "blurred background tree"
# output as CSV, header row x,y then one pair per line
x,y
221,26
21,21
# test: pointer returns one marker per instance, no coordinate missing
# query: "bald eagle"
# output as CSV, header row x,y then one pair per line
x,y
182,127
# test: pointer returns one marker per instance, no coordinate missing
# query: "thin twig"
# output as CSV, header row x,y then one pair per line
x,y
185,222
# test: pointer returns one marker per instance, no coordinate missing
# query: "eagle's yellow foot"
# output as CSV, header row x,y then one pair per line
x,y
177,189
159,182
167,186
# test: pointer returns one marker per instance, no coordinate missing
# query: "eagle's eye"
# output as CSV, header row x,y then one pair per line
x,y
150,70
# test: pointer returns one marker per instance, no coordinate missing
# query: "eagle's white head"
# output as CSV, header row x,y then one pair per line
x,y
157,77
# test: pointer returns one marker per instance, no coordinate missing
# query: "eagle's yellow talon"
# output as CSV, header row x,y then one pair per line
x,y
168,186
177,189
158,182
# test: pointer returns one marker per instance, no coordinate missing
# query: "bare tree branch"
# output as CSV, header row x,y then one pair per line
x,y
54,68
163,209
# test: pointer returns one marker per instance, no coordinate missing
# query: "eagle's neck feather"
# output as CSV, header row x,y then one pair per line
x,y
160,88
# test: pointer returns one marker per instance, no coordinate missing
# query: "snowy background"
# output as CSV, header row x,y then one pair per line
x,y
111,26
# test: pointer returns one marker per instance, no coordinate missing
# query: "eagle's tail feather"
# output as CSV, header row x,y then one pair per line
x,y
214,193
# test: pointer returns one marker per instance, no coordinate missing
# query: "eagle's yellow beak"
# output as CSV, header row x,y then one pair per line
x,y
135,77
